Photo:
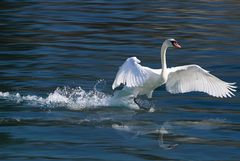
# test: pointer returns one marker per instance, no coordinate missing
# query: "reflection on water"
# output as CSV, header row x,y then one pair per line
x,y
73,44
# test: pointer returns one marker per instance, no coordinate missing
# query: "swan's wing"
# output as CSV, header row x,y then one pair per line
x,y
132,74
194,78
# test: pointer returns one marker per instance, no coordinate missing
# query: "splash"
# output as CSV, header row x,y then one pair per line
x,y
72,98
75,98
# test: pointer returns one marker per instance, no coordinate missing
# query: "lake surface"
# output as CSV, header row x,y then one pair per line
x,y
58,61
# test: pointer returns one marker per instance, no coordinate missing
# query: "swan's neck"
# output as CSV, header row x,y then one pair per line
x,y
163,57
164,73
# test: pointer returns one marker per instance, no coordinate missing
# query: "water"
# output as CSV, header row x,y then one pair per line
x,y
58,60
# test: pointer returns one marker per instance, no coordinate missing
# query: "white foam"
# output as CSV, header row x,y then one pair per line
x,y
72,98
78,99
152,109
121,127
4,94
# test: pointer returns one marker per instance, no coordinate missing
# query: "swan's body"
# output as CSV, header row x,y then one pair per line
x,y
142,80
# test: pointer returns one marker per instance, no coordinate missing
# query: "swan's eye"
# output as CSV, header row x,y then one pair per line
x,y
175,44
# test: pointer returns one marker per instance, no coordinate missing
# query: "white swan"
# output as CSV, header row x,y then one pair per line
x,y
142,80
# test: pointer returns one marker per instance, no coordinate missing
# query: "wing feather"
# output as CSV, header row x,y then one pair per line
x,y
132,74
194,78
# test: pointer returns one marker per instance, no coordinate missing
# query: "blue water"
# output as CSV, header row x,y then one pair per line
x,y
58,61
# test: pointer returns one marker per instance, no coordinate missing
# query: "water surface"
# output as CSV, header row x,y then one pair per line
x,y
58,60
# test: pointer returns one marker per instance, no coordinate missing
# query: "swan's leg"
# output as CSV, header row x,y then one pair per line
x,y
143,104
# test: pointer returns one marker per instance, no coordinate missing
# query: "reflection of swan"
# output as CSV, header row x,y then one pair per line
x,y
142,80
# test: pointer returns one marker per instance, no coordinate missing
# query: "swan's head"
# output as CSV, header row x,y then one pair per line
x,y
172,43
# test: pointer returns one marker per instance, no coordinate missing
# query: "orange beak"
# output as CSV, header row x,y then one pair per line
x,y
176,45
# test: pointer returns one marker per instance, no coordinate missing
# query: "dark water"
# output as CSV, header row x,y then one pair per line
x,y
58,60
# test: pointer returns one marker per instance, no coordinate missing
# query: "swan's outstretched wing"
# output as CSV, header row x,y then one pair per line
x,y
132,74
194,78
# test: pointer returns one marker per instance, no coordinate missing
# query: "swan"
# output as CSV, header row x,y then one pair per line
x,y
141,80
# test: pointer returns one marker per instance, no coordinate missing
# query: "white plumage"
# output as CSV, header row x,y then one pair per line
x,y
132,74
143,80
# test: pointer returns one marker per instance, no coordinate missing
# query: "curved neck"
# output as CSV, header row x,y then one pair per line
x,y
163,57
